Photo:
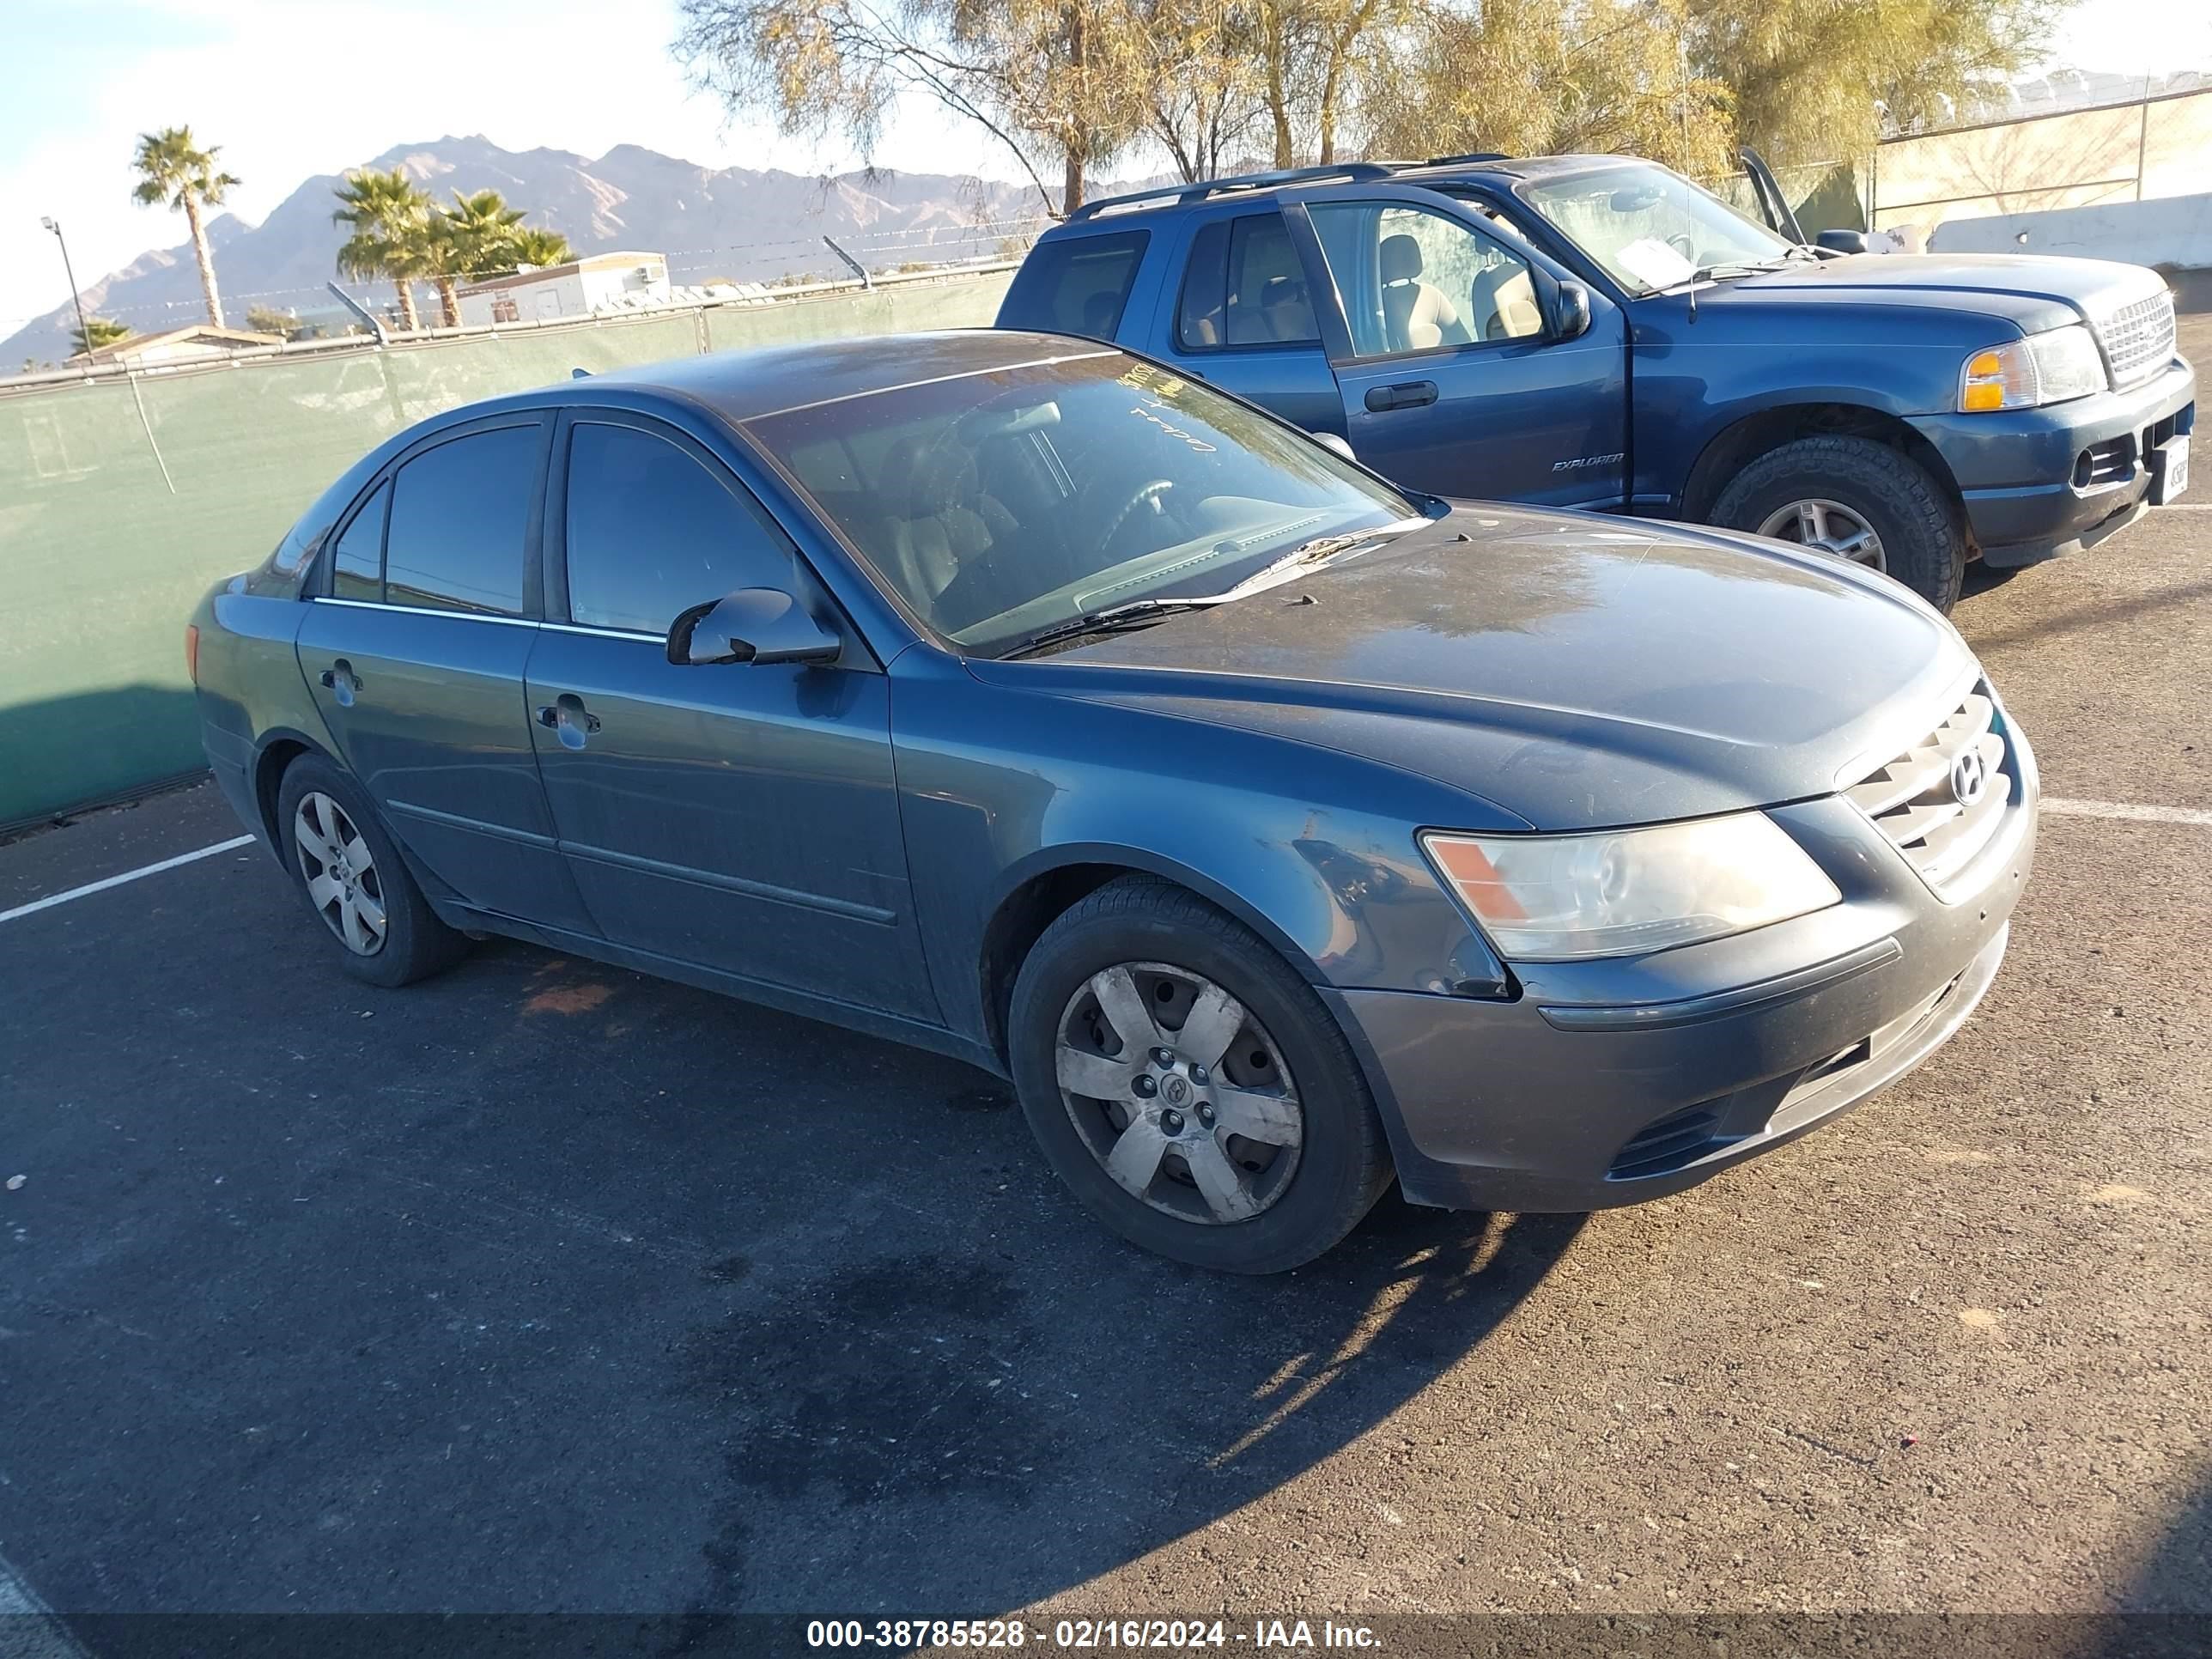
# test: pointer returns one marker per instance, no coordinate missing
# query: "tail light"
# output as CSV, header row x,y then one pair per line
x,y
192,652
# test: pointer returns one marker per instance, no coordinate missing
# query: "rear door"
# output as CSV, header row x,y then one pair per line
x,y
1442,326
1240,313
736,816
416,651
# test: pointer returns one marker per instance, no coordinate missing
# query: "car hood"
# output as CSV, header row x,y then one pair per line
x,y
2036,291
1574,670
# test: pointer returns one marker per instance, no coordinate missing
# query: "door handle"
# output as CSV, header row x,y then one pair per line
x,y
340,679
1407,394
568,717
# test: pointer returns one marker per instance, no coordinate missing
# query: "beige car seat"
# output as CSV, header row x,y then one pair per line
x,y
937,519
1503,301
1415,314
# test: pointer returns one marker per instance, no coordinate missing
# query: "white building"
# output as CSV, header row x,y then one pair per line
x,y
602,282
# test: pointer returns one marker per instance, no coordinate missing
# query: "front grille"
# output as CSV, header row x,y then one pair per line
x,y
1915,802
2137,338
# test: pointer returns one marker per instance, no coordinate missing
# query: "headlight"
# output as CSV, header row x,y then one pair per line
x,y
1620,892
2044,369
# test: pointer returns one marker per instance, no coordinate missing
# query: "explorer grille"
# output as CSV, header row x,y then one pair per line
x,y
2137,338
1916,801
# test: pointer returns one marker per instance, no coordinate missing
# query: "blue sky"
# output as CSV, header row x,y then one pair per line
x,y
293,87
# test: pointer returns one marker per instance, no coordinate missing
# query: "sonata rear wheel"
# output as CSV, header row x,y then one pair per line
x,y
1190,1088
352,877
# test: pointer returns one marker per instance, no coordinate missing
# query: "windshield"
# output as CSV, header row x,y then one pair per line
x,y
1001,505
1652,228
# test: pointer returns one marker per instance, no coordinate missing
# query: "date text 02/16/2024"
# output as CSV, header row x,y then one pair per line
x,y
1154,1635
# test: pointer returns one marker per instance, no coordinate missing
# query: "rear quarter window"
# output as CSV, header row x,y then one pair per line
x,y
1076,284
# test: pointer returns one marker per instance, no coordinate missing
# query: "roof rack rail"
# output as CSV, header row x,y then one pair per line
x,y
1471,155
1167,195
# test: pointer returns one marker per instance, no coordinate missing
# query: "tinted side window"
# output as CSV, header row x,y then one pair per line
x,y
1077,285
460,515
357,566
1201,316
1245,287
651,532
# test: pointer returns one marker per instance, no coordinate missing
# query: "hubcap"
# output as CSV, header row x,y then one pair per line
x,y
1179,1092
343,884
1832,528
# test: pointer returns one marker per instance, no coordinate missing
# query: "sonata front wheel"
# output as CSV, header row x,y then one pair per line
x,y
1188,1086
1179,1093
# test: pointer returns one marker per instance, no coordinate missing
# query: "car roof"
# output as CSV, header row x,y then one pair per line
x,y
743,385
1167,200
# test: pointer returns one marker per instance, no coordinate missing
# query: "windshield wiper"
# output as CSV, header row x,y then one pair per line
x,y
1113,619
1736,268
1317,550
1142,613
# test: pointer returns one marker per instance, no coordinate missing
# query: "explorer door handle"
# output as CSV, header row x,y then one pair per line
x,y
567,717
340,679
1406,394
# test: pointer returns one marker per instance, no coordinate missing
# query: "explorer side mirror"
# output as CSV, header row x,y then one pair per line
x,y
754,624
1571,312
1844,241
1335,445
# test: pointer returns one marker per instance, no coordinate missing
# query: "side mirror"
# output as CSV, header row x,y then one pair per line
x,y
1335,445
754,624
1571,312
1844,241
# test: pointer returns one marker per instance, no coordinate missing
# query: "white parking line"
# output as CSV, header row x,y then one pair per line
x,y
48,903
2101,809
28,1627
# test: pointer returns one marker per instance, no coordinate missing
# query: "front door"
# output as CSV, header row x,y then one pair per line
x,y
736,817
416,654
1441,327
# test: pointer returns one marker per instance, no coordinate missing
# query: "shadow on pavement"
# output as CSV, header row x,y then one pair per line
x,y
989,1433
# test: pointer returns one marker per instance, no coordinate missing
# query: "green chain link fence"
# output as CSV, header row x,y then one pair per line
x,y
123,501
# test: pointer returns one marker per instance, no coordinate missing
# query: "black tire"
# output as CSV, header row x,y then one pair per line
x,y
1922,537
416,943
1344,1162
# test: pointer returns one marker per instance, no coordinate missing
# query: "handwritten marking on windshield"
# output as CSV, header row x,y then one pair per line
x,y
1191,439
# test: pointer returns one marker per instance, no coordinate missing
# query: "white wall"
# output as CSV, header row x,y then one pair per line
x,y
641,280
2176,230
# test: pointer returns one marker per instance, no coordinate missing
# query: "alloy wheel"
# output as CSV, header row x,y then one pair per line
x,y
341,873
1832,528
1179,1092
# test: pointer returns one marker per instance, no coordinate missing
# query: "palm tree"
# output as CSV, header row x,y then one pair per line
x,y
541,248
175,170
98,332
390,221
474,237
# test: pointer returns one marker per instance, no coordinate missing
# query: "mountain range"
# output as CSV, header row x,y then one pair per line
x,y
732,223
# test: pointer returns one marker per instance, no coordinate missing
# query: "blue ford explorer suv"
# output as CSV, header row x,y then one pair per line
x,y
1597,331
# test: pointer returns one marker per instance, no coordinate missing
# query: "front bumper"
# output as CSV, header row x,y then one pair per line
x,y
1609,1083
2037,483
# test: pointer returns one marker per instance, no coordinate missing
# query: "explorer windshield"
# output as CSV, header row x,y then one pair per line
x,y
999,505
1652,228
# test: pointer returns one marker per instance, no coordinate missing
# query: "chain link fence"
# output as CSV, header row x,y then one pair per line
x,y
123,498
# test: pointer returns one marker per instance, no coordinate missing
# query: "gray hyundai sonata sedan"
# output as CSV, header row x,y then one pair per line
x,y
1276,831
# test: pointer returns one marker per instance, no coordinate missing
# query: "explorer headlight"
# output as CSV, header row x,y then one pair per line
x,y
2044,369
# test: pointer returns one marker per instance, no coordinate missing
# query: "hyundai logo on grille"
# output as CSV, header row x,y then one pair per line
x,y
1970,776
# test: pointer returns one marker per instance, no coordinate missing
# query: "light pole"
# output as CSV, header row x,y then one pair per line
x,y
83,328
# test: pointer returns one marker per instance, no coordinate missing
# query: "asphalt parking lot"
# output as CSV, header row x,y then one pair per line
x,y
546,1286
